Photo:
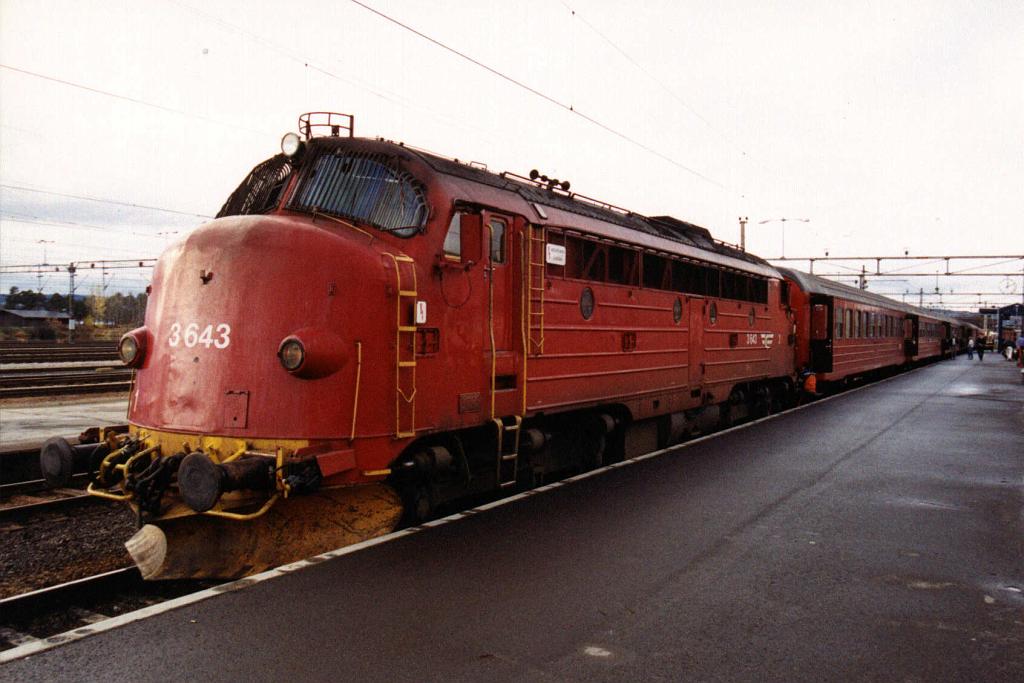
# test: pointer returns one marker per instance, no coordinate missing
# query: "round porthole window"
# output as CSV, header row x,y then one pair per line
x,y
751,317
713,313
677,310
587,303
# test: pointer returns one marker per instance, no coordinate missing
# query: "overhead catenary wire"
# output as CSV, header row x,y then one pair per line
x,y
657,81
126,98
544,96
310,65
124,229
102,200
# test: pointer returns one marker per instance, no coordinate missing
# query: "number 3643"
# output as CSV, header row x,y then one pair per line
x,y
191,335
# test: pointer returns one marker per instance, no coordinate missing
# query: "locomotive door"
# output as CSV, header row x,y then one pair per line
x,y
696,312
499,330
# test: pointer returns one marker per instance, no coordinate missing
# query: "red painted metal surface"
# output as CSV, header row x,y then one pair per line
x,y
856,332
367,303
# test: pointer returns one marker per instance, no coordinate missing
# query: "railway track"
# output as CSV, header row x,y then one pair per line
x,y
42,352
25,494
50,356
34,369
44,613
54,383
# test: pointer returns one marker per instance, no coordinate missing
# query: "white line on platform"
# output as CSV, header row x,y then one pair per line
x,y
38,646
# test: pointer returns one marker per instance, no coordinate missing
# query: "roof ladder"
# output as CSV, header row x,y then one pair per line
x,y
535,289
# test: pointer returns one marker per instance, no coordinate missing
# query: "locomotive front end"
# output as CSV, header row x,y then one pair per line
x,y
266,331
240,452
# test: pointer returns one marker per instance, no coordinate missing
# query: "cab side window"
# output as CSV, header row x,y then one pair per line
x,y
497,240
453,240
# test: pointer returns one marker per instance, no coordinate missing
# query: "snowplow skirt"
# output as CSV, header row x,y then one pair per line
x,y
203,546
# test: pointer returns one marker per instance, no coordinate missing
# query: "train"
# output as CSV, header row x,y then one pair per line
x,y
369,331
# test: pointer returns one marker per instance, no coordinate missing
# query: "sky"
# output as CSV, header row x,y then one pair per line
x,y
874,128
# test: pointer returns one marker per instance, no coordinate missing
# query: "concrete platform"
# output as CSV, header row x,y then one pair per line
x,y
28,422
875,536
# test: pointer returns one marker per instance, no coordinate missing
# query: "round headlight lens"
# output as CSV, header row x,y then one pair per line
x,y
290,144
128,349
292,354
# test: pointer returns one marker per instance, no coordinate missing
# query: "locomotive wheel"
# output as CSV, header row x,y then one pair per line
x,y
588,443
762,406
419,503
725,415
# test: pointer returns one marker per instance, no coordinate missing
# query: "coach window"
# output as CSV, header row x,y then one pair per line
x,y
688,278
657,274
849,323
712,282
586,259
839,323
759,290
730,285
497,240
623,266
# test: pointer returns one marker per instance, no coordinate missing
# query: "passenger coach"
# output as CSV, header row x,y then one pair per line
x,y
843,332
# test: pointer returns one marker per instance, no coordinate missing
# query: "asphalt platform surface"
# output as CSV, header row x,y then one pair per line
x,y
29,422
875,536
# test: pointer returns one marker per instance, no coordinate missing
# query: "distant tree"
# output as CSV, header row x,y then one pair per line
x,y
26,299
79,309
97,306
122,309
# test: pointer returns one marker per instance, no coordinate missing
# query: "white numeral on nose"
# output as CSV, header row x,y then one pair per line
x,y
191,336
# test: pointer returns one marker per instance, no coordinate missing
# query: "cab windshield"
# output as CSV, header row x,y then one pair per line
x,y
363,187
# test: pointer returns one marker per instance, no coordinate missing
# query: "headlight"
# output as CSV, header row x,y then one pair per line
x,y
291,144
129,349
291,354
132,347
311,353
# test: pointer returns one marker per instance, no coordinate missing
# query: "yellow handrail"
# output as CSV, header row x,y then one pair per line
x,y
401,328
355,399
490,315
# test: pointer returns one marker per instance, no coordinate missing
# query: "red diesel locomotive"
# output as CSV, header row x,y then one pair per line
x,y
368,330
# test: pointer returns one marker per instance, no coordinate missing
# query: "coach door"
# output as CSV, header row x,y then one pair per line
x,y
910,330
947,338
821,333
502,305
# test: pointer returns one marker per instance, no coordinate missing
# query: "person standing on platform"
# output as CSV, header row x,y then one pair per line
x,y
970,349
980,347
